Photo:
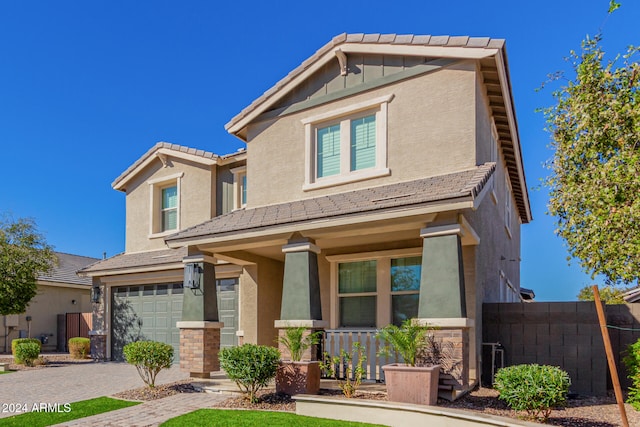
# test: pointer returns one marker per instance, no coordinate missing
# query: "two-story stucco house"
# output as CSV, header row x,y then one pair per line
x,y
382,180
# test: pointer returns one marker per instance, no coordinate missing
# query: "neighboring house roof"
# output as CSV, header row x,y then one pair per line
x,y
494,71
142,261
65,269
632,295
161,150
420,192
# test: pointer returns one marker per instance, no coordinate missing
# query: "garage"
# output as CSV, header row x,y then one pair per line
x,y
150,312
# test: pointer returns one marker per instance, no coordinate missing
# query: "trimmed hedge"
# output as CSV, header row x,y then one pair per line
x,y
149,358
27,352
533,388
79,347
250,366
16,359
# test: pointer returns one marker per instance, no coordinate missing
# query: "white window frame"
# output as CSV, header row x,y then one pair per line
x,y
343,116
238,173
155,204
383,293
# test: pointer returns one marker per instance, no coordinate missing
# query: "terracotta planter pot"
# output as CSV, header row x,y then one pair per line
x,y
298,377
412,384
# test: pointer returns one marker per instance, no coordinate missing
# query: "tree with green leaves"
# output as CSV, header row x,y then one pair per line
x,y
608,294
595,180
24,255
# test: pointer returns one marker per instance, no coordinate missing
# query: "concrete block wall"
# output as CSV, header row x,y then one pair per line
x,y
563,334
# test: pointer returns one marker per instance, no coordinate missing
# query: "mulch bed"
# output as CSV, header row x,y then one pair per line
x,y
50,361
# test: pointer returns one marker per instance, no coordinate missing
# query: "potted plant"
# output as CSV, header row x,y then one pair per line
x,y
407,382
296,376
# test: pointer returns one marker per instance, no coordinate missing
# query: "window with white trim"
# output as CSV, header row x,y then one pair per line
x,y
239,187
373,293
348,144
170,208
164,205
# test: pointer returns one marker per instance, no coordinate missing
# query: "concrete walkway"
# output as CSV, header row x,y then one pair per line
x,y
152,413
74,382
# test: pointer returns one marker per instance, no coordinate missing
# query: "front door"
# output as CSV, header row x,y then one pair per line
x,y
228,310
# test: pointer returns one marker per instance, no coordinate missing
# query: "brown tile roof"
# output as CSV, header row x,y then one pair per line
x,y
167,145
65,270
137,260
395,39
467,183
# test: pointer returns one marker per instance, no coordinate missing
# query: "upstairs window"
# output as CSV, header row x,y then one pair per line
x,y
348,144
164,205
363,143
170,208
239,187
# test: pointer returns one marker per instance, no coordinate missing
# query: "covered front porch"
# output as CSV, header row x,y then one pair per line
x,y
350,280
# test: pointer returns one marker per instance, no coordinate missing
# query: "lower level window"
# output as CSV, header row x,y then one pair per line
x,y
389,286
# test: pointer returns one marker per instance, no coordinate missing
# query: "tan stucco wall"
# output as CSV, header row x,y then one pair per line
x,y
44,309
260,300
196,201
431,131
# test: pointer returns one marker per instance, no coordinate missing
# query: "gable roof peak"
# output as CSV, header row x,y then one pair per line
x,y
162,150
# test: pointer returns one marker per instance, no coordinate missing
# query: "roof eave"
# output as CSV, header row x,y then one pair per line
x,y
465,202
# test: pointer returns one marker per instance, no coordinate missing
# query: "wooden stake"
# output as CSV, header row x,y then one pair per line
x,y
612,363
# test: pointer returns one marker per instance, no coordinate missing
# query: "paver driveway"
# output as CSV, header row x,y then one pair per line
x,y
72,383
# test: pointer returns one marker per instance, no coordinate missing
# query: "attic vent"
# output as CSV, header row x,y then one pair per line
x,y
395,196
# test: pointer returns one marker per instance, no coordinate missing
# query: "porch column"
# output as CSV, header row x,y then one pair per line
x,y
442,301
199,327
301,306
442,291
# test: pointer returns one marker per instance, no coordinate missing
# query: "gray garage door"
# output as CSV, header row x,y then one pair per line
x,y
148,312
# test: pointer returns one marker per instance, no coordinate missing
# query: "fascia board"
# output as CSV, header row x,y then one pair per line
x,y
131,270
508,101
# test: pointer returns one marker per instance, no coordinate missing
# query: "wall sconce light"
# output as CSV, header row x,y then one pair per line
x,y
192,275
95,294
74,302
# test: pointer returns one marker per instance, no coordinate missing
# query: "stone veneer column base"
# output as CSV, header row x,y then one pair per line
x,y
199,347
98,345
454,335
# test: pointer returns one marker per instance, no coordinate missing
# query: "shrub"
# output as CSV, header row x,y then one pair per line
x,y
250,366
16,359
407,339
353,373
632,362
27,352
149,358
296,342
79,347
533,388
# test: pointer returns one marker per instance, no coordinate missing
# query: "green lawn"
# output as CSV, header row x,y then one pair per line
x,y
5,372
229,417
84,408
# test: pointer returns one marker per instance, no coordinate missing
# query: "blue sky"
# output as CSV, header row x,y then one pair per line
x,y
86,87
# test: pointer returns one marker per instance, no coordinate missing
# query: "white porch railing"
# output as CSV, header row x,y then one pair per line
x,y
337,339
